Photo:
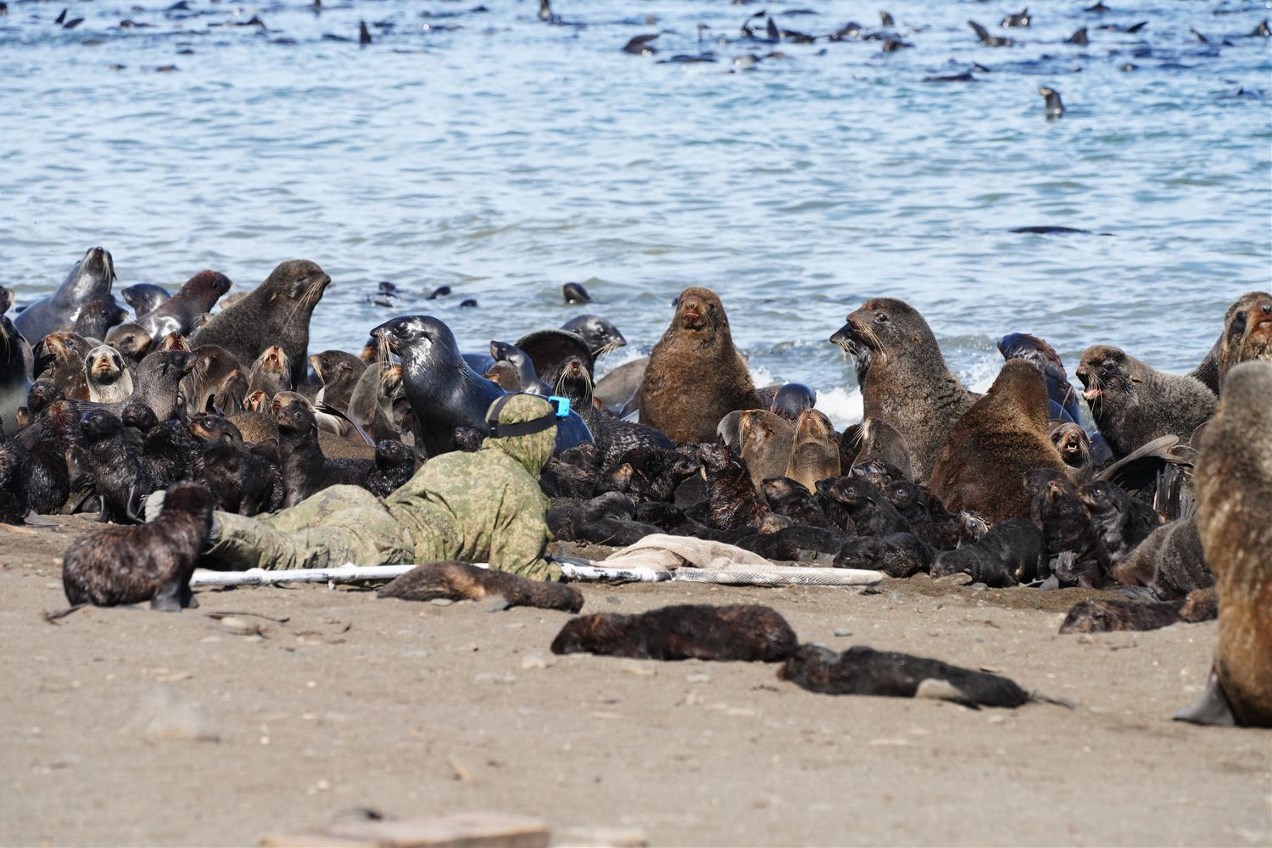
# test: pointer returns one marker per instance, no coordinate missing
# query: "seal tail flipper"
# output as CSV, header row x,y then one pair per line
x,y
1211,708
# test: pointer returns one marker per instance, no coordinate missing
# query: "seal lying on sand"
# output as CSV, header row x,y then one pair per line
x,y
746,632
459,581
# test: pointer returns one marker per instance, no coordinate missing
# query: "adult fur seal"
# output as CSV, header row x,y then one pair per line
x,y
152,562
745,632
90,279
1133,403
444,392
1209,371
695,375
275,312
459,581
177,314
601,336
990,449
1234,519
15,373
903,376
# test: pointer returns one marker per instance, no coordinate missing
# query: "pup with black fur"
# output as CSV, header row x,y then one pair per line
x,y
152,562
1011,552
732,502
737,632
864,671
896,554
306,469
1105,616
459,581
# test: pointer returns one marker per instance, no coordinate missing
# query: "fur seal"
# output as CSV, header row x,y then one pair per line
x,y
695,375
15,373
601,336
152,562
732,500
903,377
108,380
210,366
791,399
764,442
1001,437
338,371
1133,403
548,350
444,392
614,437
619,390
144,297
875,440
1247,335
1234,520
738,632
1075,449
527,378
271,372
1012,552
13,482
814,449
1052,105
572,293
897,555
306,469
459,581
275,312
1105,616
90,279
177,314
97,317
1062,397
59,358
131,340
864,671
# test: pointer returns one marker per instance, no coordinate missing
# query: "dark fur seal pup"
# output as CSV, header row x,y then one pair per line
x,y
695,375
444,392
97,317
1062,397
655,473
601,336
732,502
927,516
108,379
864,671
275,312
339,373
53,432
1234,519
1011,552
1133,404
90,279
177,314
117,472
741,632
896,554
1000,438
15,374
869,510
144,297
1074,552
903,377
1209,371
790,498
306,469
59,358
131,340
394,465
153,562
1105,616
271,372
13,481
1122,523
608,519
459,581
814,449
243,479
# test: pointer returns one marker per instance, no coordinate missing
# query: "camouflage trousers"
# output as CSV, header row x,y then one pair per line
x,y
337,525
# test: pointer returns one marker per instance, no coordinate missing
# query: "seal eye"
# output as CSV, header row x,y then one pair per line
x,y
881,317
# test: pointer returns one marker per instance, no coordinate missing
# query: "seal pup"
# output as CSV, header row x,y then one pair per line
x,y
152,562
144,297
695,375
903,377
108,380
15,374
90,279
897,555
814,450
178,313
861,670
1105,616
277,311
1234,520
1001,437
59,358
271,372
737,632
1133,403
1012,552
459,581
306,469
131,340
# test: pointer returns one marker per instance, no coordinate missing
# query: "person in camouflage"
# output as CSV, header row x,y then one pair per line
x,y
482,506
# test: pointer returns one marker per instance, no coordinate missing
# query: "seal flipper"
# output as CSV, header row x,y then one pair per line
x,y
1211,708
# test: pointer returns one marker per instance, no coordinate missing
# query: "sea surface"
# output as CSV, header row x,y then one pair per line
x,y
473,145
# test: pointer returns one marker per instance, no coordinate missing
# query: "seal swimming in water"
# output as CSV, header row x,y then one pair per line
x,y
1234,519
738,632
601,336
443,391
695,375
152,562
90,279
903,377
459,581
276,312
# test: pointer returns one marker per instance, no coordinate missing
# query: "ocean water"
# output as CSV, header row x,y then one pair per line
x,y
479,147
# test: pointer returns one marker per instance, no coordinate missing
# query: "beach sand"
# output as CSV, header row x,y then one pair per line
x,y
124,726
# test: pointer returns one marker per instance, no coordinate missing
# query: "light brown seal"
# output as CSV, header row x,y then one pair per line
x,y
814,451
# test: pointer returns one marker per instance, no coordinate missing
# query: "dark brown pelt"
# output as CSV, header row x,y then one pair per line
x,y
746,632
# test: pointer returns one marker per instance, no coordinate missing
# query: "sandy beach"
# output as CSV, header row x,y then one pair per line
x,y
131,727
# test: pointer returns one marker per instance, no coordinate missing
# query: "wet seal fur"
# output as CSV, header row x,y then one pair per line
x,y
1234,519
737,632
90,279
460,581
151,562
861,670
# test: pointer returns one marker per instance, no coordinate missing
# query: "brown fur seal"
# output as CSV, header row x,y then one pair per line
x,y
764,441
131,340
1133,403
271,372
695,375
864,671
275,312
1105,616
1075,449
1234,519
743,632
1247,334
178,313
903,376
1003,436
152,562
339,372
1209,371
876,439
814,450
459,581
108,380
210,365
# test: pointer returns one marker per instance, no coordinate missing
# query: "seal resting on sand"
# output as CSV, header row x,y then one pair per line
x,y
459,581
746,632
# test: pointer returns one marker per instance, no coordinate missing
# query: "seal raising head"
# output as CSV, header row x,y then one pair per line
x,y
695,375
